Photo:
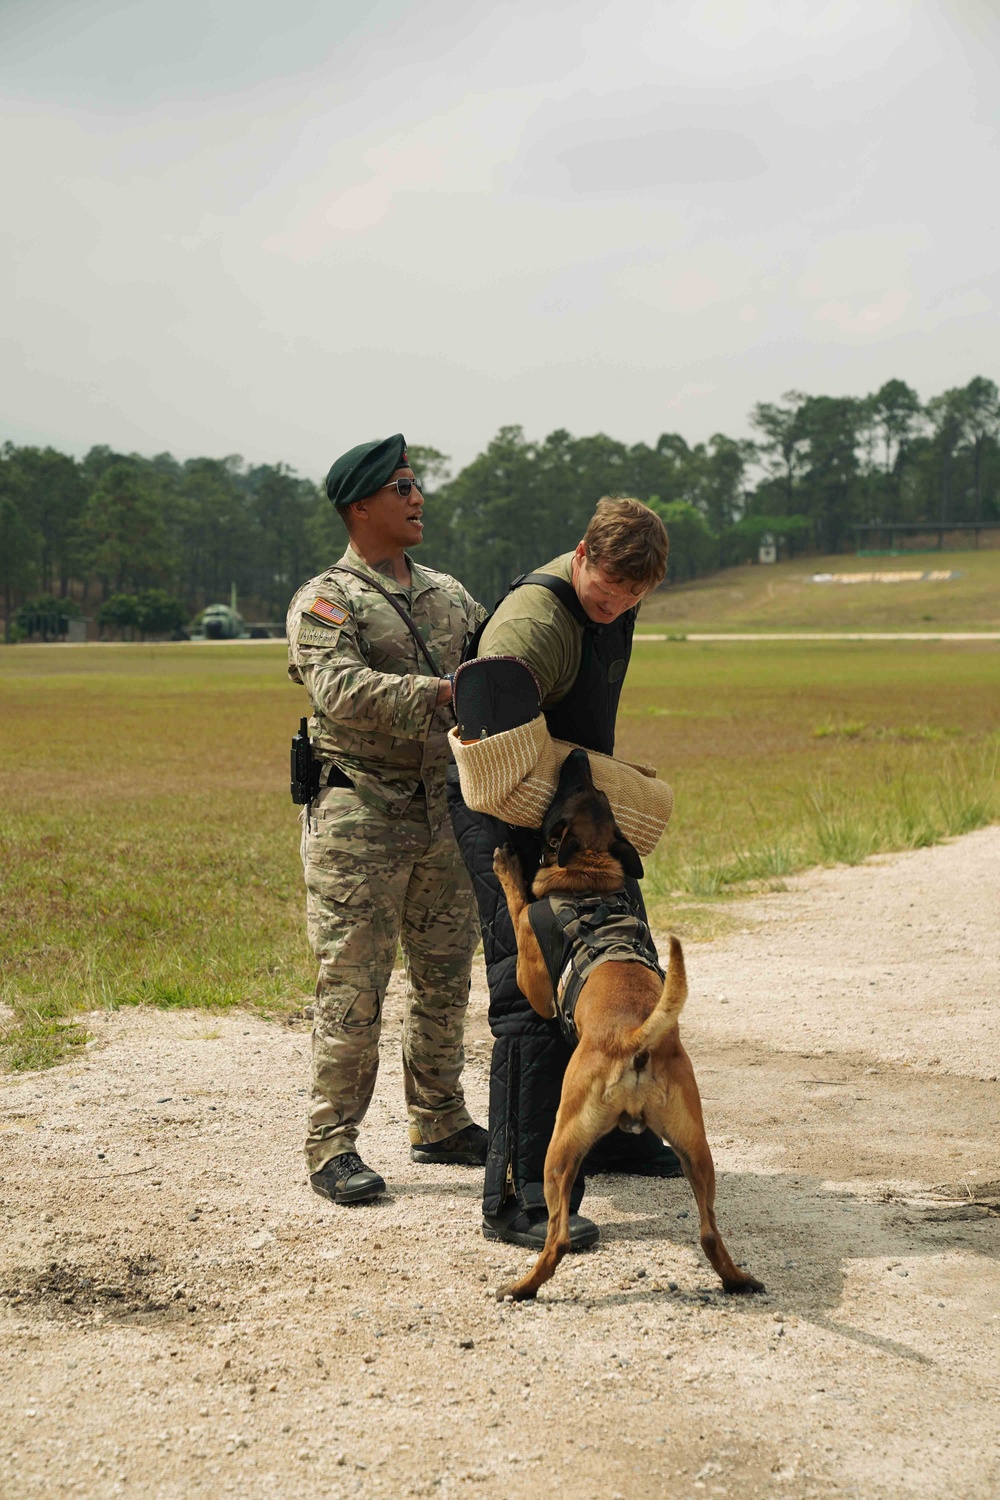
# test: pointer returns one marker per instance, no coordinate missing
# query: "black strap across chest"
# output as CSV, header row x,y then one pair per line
x,y
401,612
563,590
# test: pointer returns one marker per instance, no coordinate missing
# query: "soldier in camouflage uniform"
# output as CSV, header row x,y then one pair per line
x,y
381,864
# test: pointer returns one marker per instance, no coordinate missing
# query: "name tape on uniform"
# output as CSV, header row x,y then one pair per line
x,y
312,634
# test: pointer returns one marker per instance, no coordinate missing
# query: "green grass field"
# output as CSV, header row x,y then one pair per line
x,y
148,847
781,596
788,754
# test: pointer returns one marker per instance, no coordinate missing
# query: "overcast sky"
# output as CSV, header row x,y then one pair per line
x,y
235,226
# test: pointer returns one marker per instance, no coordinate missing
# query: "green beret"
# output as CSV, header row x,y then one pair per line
x,y
365,469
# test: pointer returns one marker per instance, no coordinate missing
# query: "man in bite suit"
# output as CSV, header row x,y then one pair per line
x,y
571,622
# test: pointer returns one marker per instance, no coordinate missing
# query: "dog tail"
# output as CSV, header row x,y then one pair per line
x,y
669,1005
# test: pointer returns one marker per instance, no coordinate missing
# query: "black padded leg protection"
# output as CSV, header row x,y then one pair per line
x,y
529,1053
525,1084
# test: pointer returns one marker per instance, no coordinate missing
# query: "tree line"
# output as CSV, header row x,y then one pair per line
x,y
115,526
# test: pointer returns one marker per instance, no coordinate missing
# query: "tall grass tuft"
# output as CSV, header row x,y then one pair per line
x,y
842,834
853,729
36,1039
714,869
905,807
968,796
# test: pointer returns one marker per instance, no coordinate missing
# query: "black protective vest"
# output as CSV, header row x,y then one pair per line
x,y
586,716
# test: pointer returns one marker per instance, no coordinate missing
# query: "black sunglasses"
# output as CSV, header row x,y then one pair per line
x,y
402,486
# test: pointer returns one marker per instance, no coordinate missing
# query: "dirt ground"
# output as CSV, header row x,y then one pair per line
x,y
179,1315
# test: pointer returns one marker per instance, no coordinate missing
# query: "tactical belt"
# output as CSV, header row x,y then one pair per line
x,y
332,775
578,933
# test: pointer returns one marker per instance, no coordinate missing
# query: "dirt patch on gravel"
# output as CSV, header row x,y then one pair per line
x,y
135,1285
180,1315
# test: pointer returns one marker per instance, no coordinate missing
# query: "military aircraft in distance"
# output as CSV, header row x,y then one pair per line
x,y
223,622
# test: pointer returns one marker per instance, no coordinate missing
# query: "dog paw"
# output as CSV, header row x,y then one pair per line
x,y
744,1286
516,1292
506,865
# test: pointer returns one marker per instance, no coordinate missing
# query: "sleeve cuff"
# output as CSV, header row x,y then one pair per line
x,y
415,709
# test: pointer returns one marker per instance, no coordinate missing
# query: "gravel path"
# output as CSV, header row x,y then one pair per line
x,y
180,1316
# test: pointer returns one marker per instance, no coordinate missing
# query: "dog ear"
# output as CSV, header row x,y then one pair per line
x,y
626,855
553,832
569,845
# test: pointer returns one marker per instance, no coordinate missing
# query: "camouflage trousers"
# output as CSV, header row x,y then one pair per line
x,y
372,883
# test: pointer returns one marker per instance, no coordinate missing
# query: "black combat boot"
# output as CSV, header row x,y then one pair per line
x,y
529,1226
466,1148
642,1155
346,1179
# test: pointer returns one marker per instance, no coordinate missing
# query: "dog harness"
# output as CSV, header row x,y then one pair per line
x,y
577,934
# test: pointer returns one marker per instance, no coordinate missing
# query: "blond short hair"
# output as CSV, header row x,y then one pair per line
x,y
628,540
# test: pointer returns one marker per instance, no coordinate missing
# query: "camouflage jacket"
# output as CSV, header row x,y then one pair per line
x,y
373,699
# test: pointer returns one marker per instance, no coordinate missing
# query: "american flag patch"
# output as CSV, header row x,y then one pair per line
x,y
327,611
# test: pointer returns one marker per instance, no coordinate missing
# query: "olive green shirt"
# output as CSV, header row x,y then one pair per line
x,y
374,702
532,624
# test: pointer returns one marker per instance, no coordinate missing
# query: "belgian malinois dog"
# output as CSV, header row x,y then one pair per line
x,y
629,1068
